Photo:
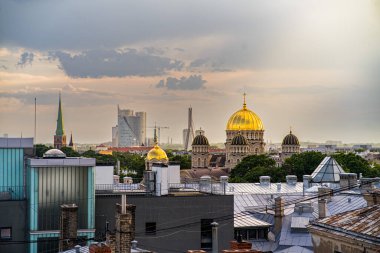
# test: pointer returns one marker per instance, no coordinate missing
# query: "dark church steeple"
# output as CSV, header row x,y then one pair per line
x,y
59,137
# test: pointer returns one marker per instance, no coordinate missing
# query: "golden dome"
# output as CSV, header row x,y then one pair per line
x,y
157,153
245,119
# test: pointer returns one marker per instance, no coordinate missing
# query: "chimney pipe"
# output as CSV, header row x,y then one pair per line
x,y
322,208
215,237
68,226
279,207
125,227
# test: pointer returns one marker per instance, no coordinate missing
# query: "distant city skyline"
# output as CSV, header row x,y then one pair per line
x,y
313,66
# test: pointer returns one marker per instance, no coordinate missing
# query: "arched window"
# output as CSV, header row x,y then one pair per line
x,y
204,163
199,162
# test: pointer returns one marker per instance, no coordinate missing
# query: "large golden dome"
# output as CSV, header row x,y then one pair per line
x,y
245,119
157,153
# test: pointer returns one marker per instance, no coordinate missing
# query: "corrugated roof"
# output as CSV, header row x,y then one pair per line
x,y
257,188
327,171
364,222
247,220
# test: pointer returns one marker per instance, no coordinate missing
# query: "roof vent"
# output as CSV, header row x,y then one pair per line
x,y
264,180
291,179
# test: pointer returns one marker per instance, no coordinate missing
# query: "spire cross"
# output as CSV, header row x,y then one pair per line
x,y
155,134
244,104
290,129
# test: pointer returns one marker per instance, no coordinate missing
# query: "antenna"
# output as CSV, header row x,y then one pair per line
x,y
35,120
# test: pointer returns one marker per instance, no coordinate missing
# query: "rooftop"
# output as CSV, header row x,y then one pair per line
x,y
361,223
16,142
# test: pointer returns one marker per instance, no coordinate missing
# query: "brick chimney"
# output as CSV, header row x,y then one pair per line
x,y
99,248
279,207
240,245
125,228
322,208
111,241
325,193
372,197
68,226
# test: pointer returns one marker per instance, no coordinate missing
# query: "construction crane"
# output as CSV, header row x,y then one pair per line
x,y
159,131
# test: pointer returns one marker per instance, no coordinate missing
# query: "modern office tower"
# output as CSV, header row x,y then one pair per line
x,y
59,137
131,128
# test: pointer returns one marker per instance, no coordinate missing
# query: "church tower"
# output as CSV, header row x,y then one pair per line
x,y
59,137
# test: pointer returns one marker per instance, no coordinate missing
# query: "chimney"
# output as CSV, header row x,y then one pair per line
x,y
125,228
322,208
372,197
116,179
325,193
99,248
205,184
264,180
149,180
291,179
111,241
279,207
68,226
224,184
215,240
306,181
348,180
235,245
127,180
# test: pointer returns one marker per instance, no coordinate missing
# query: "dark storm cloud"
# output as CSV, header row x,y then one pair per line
x,y
25,58
112,63
193,82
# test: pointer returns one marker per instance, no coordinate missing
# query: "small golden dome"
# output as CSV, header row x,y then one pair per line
x,y
245,119
157,153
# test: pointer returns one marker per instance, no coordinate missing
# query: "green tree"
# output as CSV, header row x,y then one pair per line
x,y
252,167
184,161
70,152
353,163
41,149
302,164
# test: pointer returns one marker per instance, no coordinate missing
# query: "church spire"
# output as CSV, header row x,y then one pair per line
x,y
60,130
71,143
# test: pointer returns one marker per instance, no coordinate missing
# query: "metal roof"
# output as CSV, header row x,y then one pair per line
x,y
295,249
327,171
272,188
364,222
16,142
248,221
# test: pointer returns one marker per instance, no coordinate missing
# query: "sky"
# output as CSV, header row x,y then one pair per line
x,y
310,65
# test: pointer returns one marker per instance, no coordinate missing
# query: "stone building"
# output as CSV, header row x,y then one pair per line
x,y
237,150
248,124
290,146
200,155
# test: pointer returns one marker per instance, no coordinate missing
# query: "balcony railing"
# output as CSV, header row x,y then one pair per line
x,y
12,193
119,188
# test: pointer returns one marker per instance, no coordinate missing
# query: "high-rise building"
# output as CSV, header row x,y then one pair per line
x,y
59,137
131,128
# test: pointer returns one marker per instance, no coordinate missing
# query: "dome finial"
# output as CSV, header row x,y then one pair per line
x,y
244,104
290,129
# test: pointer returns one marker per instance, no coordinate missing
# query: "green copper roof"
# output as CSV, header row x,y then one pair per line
x,y
60,131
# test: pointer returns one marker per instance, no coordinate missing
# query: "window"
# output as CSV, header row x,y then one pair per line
x,y
206,233
6,233
150,228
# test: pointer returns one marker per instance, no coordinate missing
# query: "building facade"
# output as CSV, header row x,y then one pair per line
x,y
200,155
131,128
51,182
290,146
13,224
60,136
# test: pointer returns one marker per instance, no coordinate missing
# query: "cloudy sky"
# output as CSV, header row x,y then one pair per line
x,y
312,65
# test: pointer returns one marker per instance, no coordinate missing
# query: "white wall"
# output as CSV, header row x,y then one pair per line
x,y
103,174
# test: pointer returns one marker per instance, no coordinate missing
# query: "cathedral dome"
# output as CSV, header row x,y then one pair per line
x,y
200,140
245,119
157,153
239,140
290,139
